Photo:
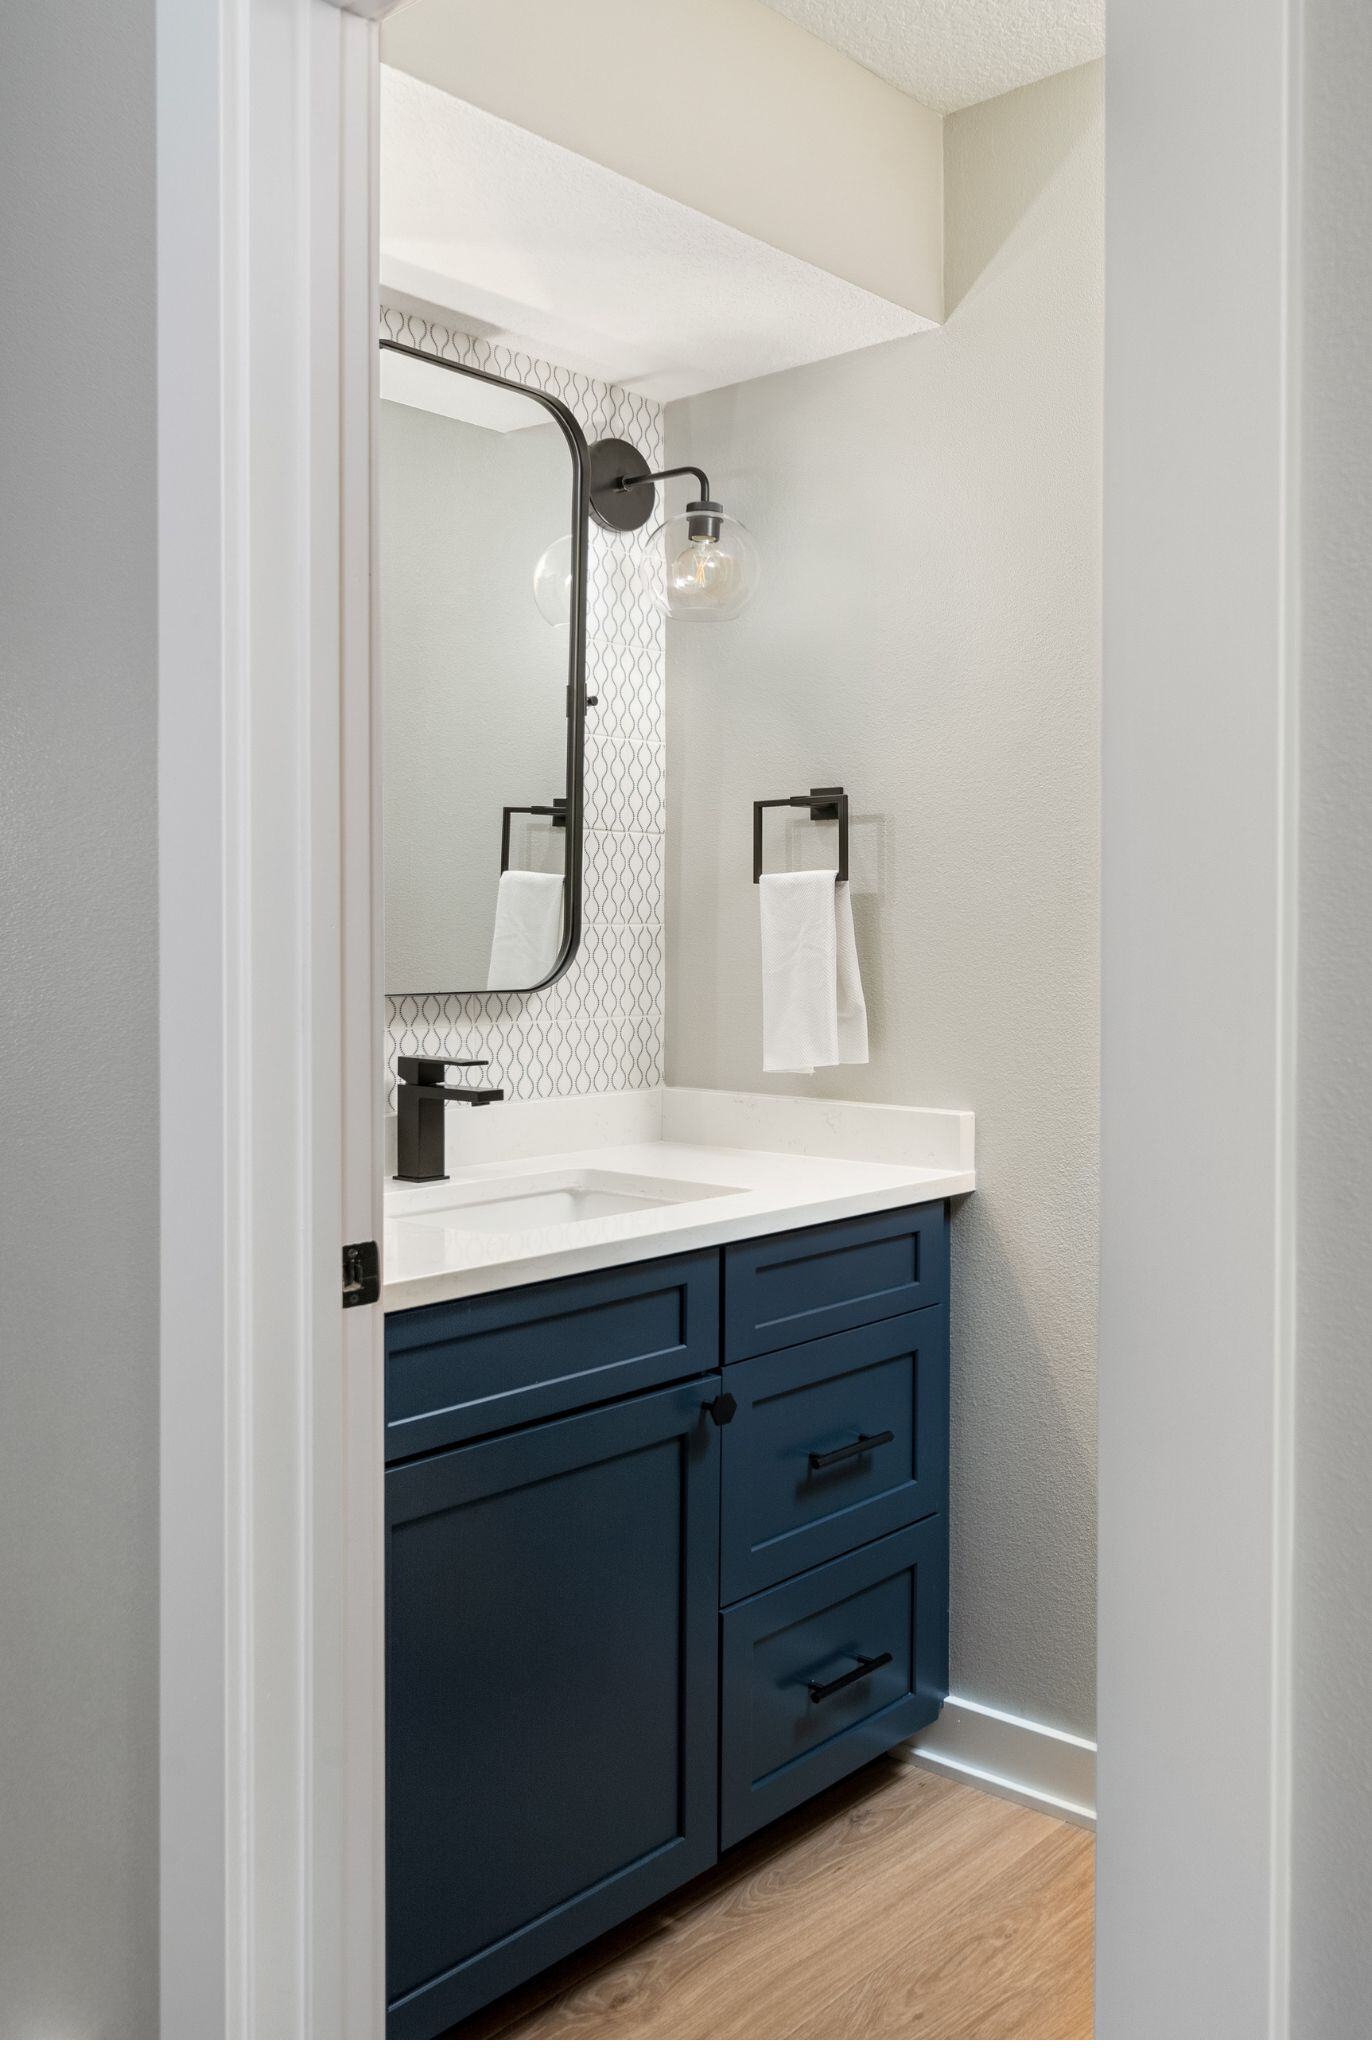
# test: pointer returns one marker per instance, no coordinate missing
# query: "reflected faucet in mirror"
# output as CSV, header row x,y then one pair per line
x,y
420,1098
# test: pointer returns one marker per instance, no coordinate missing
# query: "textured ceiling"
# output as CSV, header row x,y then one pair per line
x,y
951,53
522,239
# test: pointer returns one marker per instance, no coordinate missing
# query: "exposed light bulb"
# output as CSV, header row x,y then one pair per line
x,y
701,564
702,570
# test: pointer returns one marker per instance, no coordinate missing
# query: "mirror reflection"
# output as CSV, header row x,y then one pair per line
x,y
478,514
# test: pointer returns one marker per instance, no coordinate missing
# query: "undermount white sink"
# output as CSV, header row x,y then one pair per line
x,y
547,1201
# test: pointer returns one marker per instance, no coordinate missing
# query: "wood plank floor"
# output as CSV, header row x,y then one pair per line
x,y
898,1906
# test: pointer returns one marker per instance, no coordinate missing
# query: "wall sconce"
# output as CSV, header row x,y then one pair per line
x,y
697,564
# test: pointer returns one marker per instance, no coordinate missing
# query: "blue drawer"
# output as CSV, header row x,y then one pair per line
x,y
810,1283
826,1672
834,1444
466,1368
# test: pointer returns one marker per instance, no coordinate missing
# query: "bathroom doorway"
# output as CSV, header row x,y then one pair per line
x,y
272,1525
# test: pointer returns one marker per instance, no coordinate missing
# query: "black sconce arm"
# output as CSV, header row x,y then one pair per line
x,y
621,489
659,476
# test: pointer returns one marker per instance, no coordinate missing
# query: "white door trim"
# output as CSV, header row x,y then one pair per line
x,y
1199,783
270,1008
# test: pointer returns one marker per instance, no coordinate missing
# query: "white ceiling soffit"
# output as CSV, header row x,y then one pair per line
x,y
952,53
518,238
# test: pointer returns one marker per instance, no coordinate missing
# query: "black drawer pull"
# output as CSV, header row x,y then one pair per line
x,y
820,1459
863,1669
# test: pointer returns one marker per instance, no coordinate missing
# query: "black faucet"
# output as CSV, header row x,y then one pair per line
x,y
419,1101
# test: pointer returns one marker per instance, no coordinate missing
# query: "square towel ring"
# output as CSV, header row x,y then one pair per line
x,y
556,810
822,804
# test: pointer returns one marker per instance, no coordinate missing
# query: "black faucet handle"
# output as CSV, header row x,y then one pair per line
x,y
426,1069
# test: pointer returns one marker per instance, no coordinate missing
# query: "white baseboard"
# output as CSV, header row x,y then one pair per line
x,y
1021,1760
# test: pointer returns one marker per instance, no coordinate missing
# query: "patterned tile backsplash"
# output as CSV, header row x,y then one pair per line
x,y
600,1026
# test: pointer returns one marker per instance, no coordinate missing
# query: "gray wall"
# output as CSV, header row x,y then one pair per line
x,y
1331,1977
928,635
78,1042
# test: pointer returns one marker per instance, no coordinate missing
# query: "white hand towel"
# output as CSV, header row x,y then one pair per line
x,y
813,1014
851,1004
528,929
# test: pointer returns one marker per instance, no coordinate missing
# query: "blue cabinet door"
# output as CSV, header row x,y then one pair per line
x,y
552,1668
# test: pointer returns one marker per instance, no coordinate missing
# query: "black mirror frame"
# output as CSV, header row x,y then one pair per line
x,y
576,683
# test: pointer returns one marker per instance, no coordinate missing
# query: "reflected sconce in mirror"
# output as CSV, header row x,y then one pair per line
x,y
696,564
554,579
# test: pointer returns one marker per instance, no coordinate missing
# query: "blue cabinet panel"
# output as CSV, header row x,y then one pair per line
x,y
834,1443
552,1692
467,1368
827,1671
810,1283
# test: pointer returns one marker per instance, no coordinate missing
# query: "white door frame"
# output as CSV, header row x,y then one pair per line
x,y
270,1008
1197,1307
272,1696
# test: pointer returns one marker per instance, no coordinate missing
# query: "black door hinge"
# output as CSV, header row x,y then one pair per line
x,y
361,1274
722,1409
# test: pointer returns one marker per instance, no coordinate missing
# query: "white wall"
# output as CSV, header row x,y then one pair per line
x,y
724,105
78,1040
1331,1883
927,634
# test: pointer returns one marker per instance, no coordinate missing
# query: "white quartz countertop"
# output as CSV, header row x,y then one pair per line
x,y
793,1162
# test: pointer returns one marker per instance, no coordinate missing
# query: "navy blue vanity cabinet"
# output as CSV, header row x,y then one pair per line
x,y
667,1554
552,1645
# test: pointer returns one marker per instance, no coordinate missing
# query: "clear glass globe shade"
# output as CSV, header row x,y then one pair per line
x,y
553,582
702,576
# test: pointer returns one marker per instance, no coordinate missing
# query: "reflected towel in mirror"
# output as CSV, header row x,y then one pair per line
x,y
528,929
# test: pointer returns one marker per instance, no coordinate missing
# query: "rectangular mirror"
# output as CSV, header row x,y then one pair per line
x,y
482,560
